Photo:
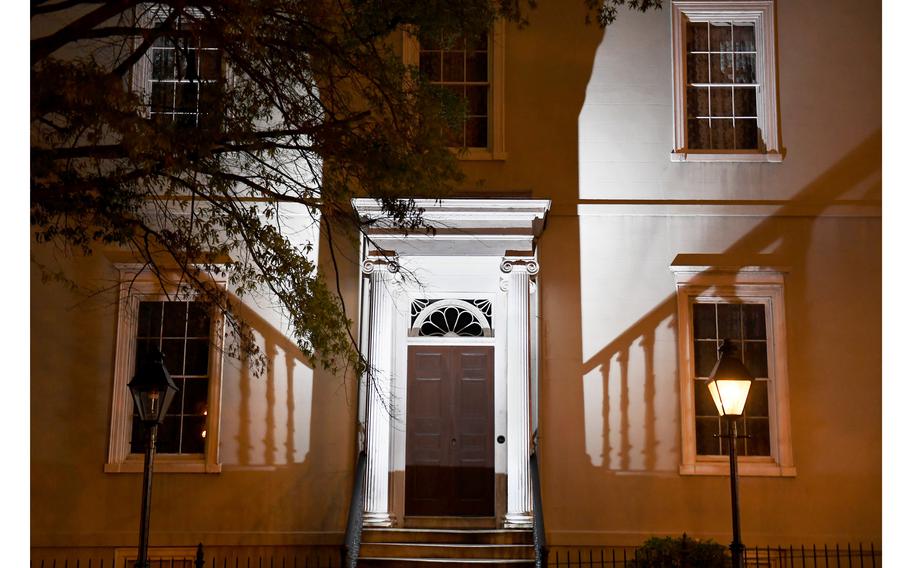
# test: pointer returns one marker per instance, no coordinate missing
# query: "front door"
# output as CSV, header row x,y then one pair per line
x,y
449,452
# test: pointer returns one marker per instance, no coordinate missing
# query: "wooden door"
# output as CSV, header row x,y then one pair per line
x,y
449,452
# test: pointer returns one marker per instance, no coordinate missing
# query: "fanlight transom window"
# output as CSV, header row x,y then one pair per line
x,y
451,318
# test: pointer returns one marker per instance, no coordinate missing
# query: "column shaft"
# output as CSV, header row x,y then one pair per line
x,y
378,418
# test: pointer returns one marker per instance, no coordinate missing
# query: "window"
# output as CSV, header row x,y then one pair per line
x,y
180,74
472,70
746,306
181,330
725,95
190,335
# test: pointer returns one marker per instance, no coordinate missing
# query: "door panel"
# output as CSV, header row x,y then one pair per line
x,y
449,454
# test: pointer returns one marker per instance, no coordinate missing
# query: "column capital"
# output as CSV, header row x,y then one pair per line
x,y
519,264
381,264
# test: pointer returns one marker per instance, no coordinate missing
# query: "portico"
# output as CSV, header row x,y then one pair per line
x,y
448,320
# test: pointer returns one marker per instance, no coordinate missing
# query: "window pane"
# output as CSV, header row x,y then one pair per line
x,y
696,36
757,403
703,320
197,357
149,319
476,100
452,66
174,319
476,64
754,321
744,37
705,357
697,101
169,435
144,349
744,101
721,37
210,64
173,355
728,321
193,435
697,68
162,97
198,322
746,135
745,68
721,68
722,134
431,65
476,132
755,358
706,442
195,396
721,101
187,97
699,134
176,406
759,441
163,63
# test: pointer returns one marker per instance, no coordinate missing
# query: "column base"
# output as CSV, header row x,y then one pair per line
x,y
518,521
377,520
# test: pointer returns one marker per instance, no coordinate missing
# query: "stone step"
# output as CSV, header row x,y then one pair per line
x,y
452,536
447,551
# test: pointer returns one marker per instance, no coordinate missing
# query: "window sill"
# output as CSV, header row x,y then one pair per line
x,y
754,467
479,154
135,463
769,157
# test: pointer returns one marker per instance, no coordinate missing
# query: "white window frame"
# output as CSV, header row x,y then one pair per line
x,y
761,14
496,131
751,284
138,283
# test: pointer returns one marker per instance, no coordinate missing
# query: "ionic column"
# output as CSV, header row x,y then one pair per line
x,y
379,388
517,284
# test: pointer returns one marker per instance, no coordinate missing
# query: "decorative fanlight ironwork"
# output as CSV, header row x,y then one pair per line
x,y
451,318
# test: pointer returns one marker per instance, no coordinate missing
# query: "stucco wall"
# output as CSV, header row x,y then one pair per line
x,y
589,125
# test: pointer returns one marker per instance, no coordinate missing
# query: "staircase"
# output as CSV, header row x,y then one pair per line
x,y
431,548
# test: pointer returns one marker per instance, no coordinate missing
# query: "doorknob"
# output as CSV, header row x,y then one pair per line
x,y
453,442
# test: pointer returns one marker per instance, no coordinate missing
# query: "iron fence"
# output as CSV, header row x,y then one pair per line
x,y
824,556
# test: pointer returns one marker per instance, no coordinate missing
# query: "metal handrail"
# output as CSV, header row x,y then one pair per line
x,y
350,550
541,552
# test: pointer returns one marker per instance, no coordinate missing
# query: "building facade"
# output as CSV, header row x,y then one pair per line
x,y
708,171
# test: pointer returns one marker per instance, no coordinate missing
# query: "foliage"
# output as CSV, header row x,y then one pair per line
x,y
682,552
607,10
314,106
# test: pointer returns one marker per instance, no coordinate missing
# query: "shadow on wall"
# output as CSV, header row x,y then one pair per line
x,y
607,373
267,419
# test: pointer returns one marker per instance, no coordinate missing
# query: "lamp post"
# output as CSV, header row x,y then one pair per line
x,y
152,390
729,385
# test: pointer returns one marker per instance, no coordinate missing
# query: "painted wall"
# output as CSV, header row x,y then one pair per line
x,y
589,125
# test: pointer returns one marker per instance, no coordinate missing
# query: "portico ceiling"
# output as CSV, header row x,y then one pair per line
x,y
475,227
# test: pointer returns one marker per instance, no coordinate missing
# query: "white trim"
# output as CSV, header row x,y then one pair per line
x,y
758,284
496,125
759,12
137,283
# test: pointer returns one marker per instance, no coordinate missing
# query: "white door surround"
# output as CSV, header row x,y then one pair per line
x,y
481,254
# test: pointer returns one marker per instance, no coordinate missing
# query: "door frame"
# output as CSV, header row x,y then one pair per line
x,y
398,443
